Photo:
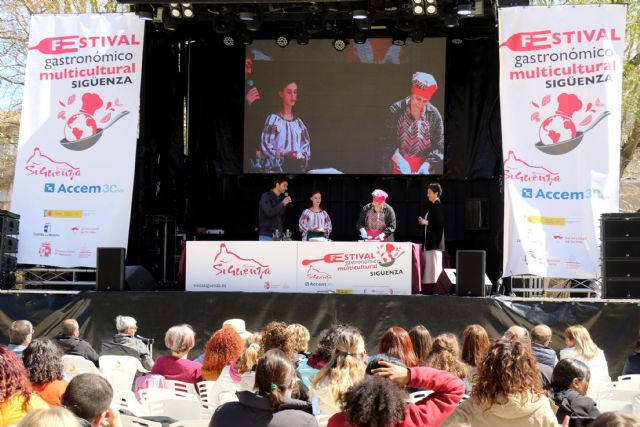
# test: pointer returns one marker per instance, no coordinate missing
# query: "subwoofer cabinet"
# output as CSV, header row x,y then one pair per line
x,y
620,239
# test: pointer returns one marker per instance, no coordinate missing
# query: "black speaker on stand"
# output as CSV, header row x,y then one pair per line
x,y
470,273
110,269
620,240
9,230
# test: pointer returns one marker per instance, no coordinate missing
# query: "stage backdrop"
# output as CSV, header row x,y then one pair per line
x,y
560,94
76,152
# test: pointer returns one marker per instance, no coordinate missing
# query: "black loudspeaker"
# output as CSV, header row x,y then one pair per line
x,y
110,269
620,238
138,278
446,282
470,273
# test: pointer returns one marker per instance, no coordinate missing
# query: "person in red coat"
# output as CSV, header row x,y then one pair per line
x,y
379,400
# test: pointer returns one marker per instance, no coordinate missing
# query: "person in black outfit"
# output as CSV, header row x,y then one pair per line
x,y
569,383
433,247
272,209
632,364
70,342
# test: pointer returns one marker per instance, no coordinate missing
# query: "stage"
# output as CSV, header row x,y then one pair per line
x,y
613,324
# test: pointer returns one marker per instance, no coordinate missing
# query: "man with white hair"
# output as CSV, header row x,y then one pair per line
x,y
70,342
126,343
20,334
414,138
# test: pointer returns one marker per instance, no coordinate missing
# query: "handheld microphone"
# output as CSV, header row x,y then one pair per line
x,y
147,341
290,205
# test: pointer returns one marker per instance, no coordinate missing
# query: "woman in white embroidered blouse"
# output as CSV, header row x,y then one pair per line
x,y
314,219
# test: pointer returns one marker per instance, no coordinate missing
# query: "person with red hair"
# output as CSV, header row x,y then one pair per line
x,y
396,342
16,399
224,346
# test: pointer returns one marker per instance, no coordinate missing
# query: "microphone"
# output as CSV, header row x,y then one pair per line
x,y
146,341
290,205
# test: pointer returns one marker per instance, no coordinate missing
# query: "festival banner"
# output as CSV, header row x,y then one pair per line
x,y
241,266
560,95
372,268
76,151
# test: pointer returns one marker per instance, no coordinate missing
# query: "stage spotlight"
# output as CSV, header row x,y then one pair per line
x,y
228,41
359,14
174,9
359,37
282,41
246,38
431,9
187,10
363,25
145,15
417,7
246,15
465,7
417,35
170,24
340,44
399,38
451,21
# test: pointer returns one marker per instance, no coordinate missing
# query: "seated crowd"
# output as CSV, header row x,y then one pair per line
x,y
414,379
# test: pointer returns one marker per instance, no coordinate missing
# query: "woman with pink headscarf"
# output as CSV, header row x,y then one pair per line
x,y
377,220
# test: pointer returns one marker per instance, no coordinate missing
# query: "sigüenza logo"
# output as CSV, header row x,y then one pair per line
x,y
231,264
39,164
516,169
314,273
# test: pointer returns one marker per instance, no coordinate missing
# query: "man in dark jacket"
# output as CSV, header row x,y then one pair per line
x,y
70,342
271,210
540,340
126,343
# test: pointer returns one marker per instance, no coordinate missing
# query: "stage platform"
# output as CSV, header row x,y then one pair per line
x,y
612,323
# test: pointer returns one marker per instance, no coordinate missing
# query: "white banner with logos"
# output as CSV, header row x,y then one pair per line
x,y
306,267
76,152
560,95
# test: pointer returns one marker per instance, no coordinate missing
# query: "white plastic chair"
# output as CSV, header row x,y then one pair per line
x,y
76,365
176,408
204,390
613,406
128,421
128,402
323,419
417,396
629,382
120,371
181,388
227,396
190,423
614,393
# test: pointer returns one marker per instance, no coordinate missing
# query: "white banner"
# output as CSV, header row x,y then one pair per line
x,y
241,266
306,267
560,98
76,152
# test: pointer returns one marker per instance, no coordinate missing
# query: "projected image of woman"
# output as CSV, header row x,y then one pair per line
x,y
286,136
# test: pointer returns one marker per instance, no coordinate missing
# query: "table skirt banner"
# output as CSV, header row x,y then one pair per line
x,y
383,268
241,266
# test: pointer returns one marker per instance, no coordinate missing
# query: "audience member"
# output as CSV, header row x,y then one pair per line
x,y
126,343
224,347
345,369
16,399
580,346
237,325
43,360
180,340
518,333
89,397
53,417
239,375
380,400
540,340
422,343
396,342
276,335
569,383
301,337
632,364
321,356
445,356
20,334
70,342
475,343
615,419
507,391
271,405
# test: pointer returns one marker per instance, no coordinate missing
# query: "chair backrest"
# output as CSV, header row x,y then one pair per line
x,y
76,365
623,395
190,423
225,397
120,370
128,402
181,388
176,408
614,406
204,390
417,396
129,421
628,382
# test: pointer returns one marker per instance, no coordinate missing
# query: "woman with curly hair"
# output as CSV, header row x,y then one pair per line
x,y
445,355
396,342
345,369
179,340
507,391
16,399
422,343
276,335
475,342
43,360
224,347
580,346
238,375
271,405
301,337
380,400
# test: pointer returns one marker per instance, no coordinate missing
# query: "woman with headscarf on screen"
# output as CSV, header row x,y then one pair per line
x,y
285,139
377,220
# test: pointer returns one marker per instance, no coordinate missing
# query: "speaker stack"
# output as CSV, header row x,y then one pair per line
x,y
620,239
9,230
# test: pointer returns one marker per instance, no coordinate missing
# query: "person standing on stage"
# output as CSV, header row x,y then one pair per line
x,y
414,137
377,220
272,209
434,235
314,221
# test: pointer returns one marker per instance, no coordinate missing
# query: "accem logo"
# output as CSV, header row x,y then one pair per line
x,y
589,193
81,189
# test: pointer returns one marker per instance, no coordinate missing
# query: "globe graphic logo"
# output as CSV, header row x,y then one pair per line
x,y
79,126
557,128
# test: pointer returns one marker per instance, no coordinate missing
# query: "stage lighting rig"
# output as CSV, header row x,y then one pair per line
x,y
340,43
359,37
418,7
174,10
282,41
431,7
187,10
465,7
246,38
359,14
228,41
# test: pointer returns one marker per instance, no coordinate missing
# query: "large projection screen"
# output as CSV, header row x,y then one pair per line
x,y
374,108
